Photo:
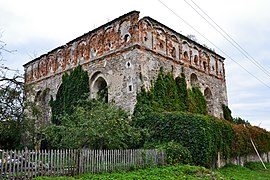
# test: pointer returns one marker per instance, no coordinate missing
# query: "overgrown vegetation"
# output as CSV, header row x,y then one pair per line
x,y
74,87
170,115
202,136
250,171
227,113
197,103
79,122
170,95
176,153
92,124
239,120
165,172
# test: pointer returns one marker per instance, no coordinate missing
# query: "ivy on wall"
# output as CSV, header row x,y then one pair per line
x,y
184,125
202,136
74,87
196,101
169,95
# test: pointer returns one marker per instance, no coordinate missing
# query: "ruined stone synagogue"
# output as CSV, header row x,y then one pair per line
x,y
124,55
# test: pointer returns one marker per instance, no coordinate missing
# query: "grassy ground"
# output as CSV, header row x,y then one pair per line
x,y
250,171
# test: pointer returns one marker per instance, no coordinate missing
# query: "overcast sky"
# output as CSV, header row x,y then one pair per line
x,y
34,27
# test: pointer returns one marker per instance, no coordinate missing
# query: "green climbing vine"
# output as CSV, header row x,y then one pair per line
x,y
196,101
175,119
74,87
182,92
170,95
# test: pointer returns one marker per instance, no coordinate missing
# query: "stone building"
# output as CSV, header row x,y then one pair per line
x,y
123,55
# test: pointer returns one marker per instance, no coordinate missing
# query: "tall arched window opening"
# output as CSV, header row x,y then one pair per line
x,y
194,80
99,87
209,100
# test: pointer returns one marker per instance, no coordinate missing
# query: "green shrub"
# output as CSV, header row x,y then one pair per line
x,y
176,153
93,124
182,92
239,120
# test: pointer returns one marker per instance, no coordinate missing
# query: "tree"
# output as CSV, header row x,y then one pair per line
x,y
11,94
74,87
165,93
227,113
11,103
168,94
93,124
196,101
182,91
239,120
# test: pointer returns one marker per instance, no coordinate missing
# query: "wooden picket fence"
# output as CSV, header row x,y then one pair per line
x,y
27,164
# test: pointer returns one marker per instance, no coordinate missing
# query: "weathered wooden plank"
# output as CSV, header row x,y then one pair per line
x,y
87,160
14,159
80,161
2,161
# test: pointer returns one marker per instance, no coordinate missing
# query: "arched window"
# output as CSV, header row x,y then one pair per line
x,y
42,100
173,53
99,87
194,80
209,99
196,60
204,66
185,51
186,55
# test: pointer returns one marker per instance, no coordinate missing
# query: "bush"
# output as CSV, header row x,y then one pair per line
x,y
203,136
93,124
176,153
239,120
227,113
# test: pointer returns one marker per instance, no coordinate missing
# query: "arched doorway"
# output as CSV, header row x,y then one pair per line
x,y
42,99
99,87
209,100
42,107
194,80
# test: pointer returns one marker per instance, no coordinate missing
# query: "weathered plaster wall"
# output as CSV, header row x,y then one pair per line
x,y
107,39
241,160
150,64
118,52
164,47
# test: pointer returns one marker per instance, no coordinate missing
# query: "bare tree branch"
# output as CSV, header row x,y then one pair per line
x,y
11,90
